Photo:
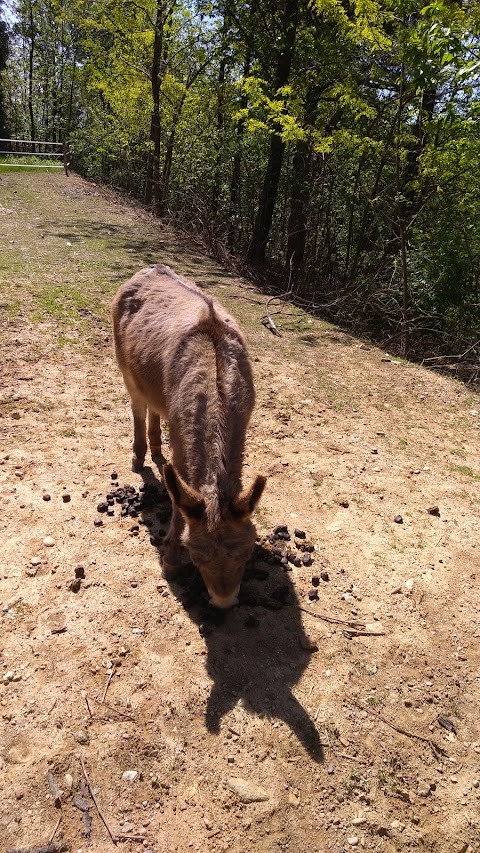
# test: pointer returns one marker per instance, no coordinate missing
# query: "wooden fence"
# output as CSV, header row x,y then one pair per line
x,y
33,148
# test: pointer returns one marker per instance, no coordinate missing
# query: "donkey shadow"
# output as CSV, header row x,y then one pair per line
x,y
254,651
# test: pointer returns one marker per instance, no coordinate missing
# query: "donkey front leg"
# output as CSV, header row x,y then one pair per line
x,y
171,557
139,411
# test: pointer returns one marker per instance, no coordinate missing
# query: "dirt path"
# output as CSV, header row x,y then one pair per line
x,y
342,745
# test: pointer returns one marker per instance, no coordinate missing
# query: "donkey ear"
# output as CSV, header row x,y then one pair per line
x,y
246,502
189,502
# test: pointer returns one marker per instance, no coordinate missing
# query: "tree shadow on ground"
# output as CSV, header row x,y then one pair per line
x,y
142,251
254,651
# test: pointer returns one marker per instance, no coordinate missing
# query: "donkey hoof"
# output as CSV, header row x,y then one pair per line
x,y
137,464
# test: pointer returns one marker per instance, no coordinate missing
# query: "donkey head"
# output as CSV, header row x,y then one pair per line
x,y
219,551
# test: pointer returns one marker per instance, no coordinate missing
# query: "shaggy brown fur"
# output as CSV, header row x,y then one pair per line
x,y
184,359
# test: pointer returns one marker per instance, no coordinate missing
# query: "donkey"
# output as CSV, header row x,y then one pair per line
x,y
184,359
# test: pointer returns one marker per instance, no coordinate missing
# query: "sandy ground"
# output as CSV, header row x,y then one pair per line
x,y
350,719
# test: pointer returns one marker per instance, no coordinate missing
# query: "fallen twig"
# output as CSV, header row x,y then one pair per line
x,y
110,708
124,837
436,749
333,620
270,325
56,847
97,806
53,834
353,632
107,683
351,757
458,357
266,320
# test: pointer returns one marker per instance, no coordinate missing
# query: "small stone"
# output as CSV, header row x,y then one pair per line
x,y
313,594
7,677
68,779
324,576
49,542
345,504
113,475
300,534
308,644
74,586
82,737
330,769
46,497
423,789
446,723
247,791
130,775
358,821
307,560
476,783
98,522
409,584
35,561
398,519
80,572
66,498
102,506
352,840
315,580
19,793
434,510
453,779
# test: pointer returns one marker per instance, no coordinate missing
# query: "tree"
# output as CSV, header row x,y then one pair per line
x,y
3,64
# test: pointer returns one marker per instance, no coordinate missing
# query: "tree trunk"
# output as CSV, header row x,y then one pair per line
x,y
301,182
234,202
153,190
268,196
31,54
215,199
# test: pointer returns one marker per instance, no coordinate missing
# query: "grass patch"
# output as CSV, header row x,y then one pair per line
x,y
28,163
466,470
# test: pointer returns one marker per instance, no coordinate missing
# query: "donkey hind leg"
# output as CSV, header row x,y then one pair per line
x,y
139,411
155,438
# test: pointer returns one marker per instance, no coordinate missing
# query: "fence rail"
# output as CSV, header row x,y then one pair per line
x,y
63,153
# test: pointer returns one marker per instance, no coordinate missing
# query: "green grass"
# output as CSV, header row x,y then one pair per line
x,y
466,470
28,163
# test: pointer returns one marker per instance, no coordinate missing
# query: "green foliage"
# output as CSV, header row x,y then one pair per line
x,y
370,108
